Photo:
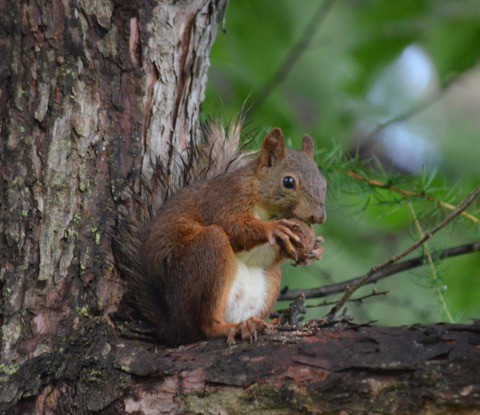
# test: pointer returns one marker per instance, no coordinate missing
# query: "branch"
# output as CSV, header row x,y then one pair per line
x,y
360,300
433,269
340,287
467,201
409,193
294,56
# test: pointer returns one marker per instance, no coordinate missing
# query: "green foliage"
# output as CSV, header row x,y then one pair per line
x,y
327,92
385,27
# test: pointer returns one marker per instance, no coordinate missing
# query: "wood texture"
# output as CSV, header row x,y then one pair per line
x,y
91,92
331,370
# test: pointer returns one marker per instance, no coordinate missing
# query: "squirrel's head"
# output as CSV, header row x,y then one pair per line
x,y
290,184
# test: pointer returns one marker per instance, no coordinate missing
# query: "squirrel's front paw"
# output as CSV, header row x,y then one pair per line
x,y
283,232
308,250
247,329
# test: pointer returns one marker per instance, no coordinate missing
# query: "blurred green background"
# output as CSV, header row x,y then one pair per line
x,y
338,70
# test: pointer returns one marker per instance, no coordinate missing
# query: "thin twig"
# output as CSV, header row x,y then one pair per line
x,y
467,201
294,56
340,287
410,194
374,293
433,269
325,303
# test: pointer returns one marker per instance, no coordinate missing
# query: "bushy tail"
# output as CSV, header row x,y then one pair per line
x,y
218,152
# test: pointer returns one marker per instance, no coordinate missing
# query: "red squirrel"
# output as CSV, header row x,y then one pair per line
x,y
208,264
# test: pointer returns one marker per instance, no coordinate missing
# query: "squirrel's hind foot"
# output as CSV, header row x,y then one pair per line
x,y
248,330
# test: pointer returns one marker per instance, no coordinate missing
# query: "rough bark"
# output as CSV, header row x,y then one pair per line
x,y
331,370
91,92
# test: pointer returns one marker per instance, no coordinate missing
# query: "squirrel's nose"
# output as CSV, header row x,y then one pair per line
x,y
321,218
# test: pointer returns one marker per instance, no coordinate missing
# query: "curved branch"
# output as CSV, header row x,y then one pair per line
x,y
409,194
294,56
386,272
463,205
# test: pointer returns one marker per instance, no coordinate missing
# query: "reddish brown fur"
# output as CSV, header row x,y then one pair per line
x,y
189,251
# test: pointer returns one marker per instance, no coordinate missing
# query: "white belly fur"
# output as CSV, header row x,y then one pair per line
x,y
250,287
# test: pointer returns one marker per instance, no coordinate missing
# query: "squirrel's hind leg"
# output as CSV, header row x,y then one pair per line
x,y
207,269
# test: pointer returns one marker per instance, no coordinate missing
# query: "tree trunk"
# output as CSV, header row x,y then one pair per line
x,y
91,92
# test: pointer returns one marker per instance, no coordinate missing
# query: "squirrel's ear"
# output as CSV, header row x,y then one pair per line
x,y
273,149
307,146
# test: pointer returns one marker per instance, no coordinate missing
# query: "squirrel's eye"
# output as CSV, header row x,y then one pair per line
x,y
289,182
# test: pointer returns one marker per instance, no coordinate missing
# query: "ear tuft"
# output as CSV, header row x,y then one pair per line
x,y
273,149
307,146
276,133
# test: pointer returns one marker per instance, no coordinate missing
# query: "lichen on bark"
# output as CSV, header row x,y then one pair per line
x,y
81,112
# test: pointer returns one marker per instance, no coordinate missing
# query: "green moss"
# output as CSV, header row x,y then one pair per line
x,y
95,375
77,219
82,184
126,369
18,330
83,311
8,369
97,235
67,71
72,234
